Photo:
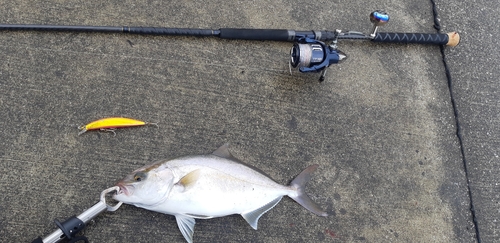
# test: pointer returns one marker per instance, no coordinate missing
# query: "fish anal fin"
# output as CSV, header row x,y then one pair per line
x,y
199,216
252,217
223,152
189,179
186,226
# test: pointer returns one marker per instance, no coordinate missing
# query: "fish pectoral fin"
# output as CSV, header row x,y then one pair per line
x,y
252,217
189,180
186,226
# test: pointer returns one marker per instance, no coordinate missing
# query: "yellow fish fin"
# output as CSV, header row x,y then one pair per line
x,y
189,179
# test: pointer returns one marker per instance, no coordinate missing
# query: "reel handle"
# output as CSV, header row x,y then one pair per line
x,y
450,39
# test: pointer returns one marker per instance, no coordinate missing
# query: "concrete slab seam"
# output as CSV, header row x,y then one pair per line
x,y
437,26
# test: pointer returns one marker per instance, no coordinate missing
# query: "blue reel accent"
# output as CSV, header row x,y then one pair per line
x,y
381,16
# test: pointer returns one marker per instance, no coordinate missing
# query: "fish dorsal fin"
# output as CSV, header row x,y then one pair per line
x,y
223,152
186,226
253,217
189,179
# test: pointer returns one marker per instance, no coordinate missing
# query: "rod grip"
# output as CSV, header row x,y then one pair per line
x,y
450,39
257,34
168,31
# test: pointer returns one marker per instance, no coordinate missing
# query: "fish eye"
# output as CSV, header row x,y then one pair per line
x,y
139,176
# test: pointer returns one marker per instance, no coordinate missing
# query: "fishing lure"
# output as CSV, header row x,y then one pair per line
x,y
111,123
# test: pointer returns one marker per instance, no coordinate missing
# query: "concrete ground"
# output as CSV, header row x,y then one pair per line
x,y
404,155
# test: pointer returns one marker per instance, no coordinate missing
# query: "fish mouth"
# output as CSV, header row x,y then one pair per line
x,y
123,189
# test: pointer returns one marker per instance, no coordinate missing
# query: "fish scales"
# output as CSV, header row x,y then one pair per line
x,y
223,188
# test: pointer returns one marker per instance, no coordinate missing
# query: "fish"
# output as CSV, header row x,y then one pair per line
x,y
209,186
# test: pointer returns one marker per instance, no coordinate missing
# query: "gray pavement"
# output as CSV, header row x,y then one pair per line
x,y
383,126
475,75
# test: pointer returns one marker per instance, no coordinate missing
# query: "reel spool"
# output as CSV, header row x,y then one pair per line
x,y
306,55
309,55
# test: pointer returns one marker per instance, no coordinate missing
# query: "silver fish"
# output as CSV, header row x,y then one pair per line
x,y
208,186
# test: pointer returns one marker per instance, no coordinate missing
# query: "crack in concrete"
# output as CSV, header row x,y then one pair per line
x,y
437,26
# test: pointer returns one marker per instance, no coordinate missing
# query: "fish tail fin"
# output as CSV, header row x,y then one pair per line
x,y
300,196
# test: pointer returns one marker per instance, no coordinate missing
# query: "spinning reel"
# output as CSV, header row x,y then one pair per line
x,y
312,55
309,55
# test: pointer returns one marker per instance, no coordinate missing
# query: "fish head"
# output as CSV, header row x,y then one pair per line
x,y
146,187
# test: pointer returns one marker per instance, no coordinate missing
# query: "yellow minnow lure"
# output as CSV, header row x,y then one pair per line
x,y
111,123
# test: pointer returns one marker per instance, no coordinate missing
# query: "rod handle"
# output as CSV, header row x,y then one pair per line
x,y
449,39
257,34
168,31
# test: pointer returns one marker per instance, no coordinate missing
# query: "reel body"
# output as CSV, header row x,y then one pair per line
x,y
310,55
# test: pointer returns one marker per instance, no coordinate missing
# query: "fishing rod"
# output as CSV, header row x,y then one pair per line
x,y
310,52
